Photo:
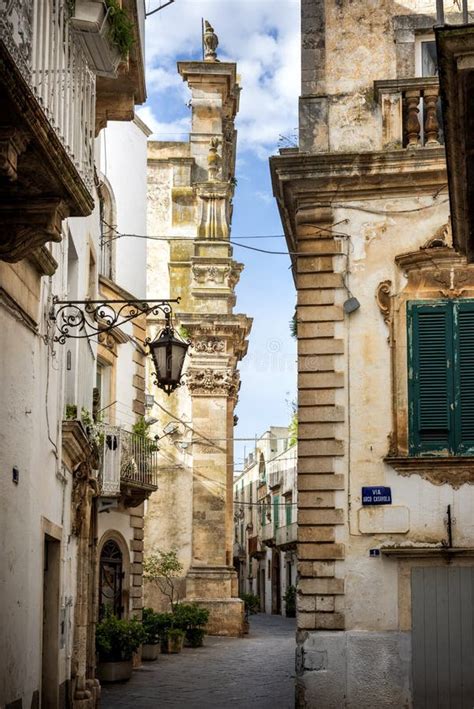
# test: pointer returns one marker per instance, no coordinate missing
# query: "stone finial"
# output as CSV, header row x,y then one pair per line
x,y
213,160
211,42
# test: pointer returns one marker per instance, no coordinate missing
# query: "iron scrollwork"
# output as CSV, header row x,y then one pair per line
x,y
79,319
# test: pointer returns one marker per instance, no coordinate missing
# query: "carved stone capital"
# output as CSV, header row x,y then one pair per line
x,y
28,226
213,382
209,346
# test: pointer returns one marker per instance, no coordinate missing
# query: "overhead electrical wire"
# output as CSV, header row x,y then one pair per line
x,y
235,240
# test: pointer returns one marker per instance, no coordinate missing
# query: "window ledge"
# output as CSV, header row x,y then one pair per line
x,y
454,471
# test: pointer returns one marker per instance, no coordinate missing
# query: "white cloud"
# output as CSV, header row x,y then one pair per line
x,y
265,197
164,130
262,37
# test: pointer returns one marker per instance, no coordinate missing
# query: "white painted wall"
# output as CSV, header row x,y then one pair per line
x,y
124,159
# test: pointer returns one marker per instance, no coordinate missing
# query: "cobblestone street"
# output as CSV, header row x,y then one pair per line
x,y
256,671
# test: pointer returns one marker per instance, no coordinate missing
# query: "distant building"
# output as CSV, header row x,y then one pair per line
x,y
265,498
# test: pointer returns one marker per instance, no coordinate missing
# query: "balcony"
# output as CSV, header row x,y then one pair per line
x,y
129,465
268,534
47,104
117,97
255,548
411,113
286,536
275,479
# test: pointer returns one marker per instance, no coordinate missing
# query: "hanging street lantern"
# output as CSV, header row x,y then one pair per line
x,y
168,352
87,319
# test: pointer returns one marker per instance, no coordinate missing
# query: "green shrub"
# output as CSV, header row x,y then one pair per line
x,y
190,615
152,626
117,639
195,637
175,633
121,28
251,603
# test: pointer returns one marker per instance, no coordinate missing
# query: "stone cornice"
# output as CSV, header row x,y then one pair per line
x,y
235,328
357,175
453,470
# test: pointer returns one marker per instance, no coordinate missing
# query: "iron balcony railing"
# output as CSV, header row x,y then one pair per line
x,y
139,460
126,459
442,8
39,39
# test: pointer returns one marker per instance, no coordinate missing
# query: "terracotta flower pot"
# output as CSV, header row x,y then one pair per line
x,y
150,652
115,671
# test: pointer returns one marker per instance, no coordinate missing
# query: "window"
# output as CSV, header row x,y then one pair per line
x,y
426,59
288,510
103,385
276,512
441,377
107,229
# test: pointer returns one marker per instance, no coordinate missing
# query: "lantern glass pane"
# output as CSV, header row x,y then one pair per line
x,y
160,358
178,353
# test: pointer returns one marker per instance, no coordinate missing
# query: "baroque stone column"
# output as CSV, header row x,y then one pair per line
x,y
211,580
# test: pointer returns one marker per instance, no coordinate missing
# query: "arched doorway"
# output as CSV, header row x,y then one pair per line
x,y
110,579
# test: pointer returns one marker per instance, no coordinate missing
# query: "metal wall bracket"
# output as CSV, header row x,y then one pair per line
x,y
79,319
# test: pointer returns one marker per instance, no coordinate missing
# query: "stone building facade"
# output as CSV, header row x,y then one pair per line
x,y
265,499
191,185
384,304
53,107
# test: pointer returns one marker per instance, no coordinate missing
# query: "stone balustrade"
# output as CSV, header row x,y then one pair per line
x,y
411,113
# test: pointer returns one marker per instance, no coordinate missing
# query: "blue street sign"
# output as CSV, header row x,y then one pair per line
x,y
376,496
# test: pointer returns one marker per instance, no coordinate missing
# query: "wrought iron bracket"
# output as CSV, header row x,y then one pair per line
x,y
80,319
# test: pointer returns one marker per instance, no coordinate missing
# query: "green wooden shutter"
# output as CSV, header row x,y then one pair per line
x,y
288,511
464,359
430,377
276,512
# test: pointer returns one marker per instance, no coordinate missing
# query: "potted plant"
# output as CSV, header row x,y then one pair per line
x,y
152,628
290,602
251,606
173,641
192,619
116,641
105,33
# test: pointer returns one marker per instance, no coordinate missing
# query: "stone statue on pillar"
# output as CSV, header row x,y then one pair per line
x,y
211,42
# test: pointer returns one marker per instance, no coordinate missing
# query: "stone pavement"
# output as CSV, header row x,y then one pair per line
x,y
255,671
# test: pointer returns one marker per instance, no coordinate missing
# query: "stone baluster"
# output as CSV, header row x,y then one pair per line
x,y
430,102
412,126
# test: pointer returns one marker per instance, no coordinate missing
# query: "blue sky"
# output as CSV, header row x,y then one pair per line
x,y
262,36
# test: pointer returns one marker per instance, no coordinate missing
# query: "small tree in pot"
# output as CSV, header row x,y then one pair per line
x,y
116,641
164,569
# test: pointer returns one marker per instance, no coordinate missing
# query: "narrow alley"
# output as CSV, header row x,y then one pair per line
x,y
257,671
